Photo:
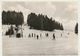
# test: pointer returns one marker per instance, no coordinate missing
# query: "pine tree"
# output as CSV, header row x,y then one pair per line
x,y
42,22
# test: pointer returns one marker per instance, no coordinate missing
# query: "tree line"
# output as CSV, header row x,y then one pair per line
x,y
43,22
39,22
12,17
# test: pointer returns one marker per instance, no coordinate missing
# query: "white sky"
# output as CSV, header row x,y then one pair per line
x,y
64,12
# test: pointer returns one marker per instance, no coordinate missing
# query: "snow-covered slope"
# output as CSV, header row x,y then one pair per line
x,y
62,45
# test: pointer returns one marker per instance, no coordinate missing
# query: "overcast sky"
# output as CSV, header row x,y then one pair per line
x,y
64,12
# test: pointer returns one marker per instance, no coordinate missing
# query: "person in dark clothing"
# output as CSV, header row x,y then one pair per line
x,y
7,33
32,34
29,35
46,34
18,35
37,37
53,36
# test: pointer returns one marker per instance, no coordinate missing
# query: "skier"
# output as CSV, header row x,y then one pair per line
x,y
46,34
29,35
37,37
32,34
53,36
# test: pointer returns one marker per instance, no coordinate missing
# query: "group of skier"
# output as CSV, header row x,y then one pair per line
x,y
38,36
15,30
